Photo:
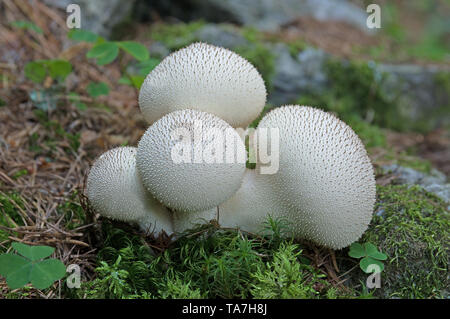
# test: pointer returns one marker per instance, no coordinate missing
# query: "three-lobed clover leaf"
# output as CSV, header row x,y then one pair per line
x,y
137,50
29,266
371,257
105,52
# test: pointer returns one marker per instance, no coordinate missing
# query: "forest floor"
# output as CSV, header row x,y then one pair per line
x,y
45,153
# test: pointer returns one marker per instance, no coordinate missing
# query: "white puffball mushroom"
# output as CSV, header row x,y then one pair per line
x,y
191,160
206,78
247,209
325,179
183,221
114,190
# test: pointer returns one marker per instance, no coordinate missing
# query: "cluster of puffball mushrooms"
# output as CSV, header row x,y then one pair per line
x,y
324,186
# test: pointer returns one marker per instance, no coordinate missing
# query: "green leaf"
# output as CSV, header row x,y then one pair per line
x,y
370,265
33,252
35,71
104,52
46,272
26,25
82,35
16,269
146,66
9,262
137,50
372,251
19,277
125,80
59,68
137,81
356,251
97,89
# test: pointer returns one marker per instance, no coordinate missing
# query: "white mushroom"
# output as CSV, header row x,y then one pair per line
x,y
205,78
191,160
115,190
247,209
325,179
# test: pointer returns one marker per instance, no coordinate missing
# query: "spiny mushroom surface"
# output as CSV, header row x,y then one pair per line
x,y
247,209
114,190
191,160
325,179
206,78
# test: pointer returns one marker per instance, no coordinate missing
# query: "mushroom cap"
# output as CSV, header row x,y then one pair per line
x,y
114,190
325,178
199,181
206,78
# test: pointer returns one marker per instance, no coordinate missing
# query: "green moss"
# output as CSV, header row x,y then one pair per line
x,y
412,227
407,160
205,262
354,90
176,36
371,135
74,215
286,278
258,54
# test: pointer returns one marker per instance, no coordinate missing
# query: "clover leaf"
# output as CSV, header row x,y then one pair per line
x,y
82,35
370,256
137,50
28,266
105,52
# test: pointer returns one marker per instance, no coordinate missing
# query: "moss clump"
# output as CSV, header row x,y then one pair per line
x,y
280,278
258,54
206,262
355,89
412,227
371,135
409,160
176,36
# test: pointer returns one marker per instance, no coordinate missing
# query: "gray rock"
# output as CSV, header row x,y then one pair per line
x,y
158,49
416,92
221,35
435,183
296,75
98,16
269,15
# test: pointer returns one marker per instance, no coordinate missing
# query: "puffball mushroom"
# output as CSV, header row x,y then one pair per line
x,y
191,160
247,209
206,78
114,190
325,179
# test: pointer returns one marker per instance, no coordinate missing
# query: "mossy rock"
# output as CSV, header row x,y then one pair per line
x,y
412,227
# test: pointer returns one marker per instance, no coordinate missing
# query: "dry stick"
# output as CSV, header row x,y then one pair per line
x,y
52,15
333,259
30,12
